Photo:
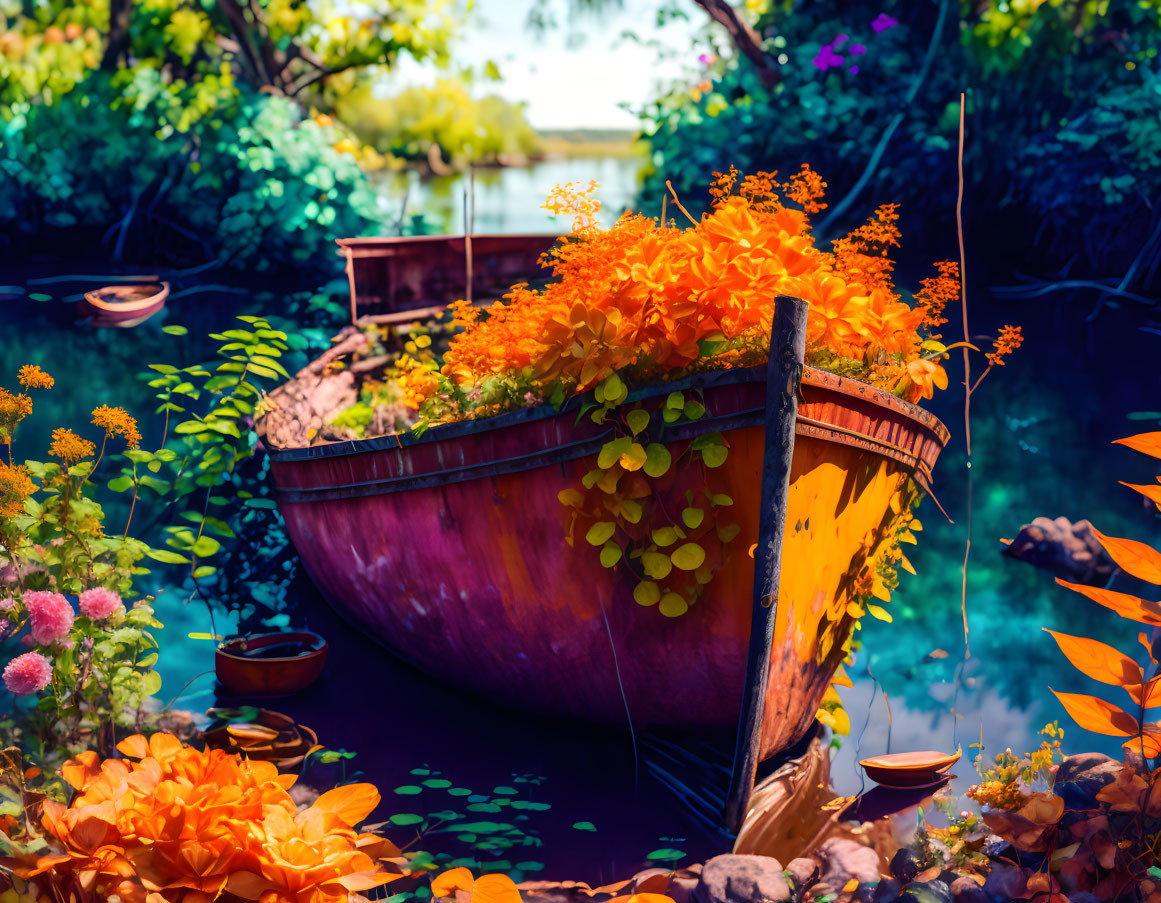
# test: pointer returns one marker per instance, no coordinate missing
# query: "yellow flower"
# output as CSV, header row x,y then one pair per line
x,y
33,377
69,447
15,487
117,422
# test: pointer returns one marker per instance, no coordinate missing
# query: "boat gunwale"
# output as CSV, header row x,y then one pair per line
x,y
805,426
811,376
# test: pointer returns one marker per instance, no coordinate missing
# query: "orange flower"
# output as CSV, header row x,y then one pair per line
x,y
181,825
117,422
15,487
13,409
926,376
33,377
643,298
69,447
1009,339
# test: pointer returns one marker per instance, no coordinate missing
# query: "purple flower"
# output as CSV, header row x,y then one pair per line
x,y
882,22
858,49
827,58
854,70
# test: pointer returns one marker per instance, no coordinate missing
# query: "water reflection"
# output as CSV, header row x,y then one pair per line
x,y
507,200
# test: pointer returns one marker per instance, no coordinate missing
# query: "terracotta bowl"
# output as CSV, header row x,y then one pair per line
x,y
909,769
270,737
243,673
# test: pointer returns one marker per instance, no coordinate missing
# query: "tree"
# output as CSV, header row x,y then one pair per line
x,y
295,48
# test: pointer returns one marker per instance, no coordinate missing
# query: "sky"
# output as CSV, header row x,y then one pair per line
x,y
566,86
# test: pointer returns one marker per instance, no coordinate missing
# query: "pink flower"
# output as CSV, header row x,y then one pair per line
x,y
99,603
27,674
7,604
882,22
50,617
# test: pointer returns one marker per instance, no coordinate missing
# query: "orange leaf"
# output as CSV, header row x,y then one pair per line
x,y
1098,716
1147,696
449,882
1150,491
1098,660
495,889
1149,743
1132,607
1146,443
351,803
1133,557
135,747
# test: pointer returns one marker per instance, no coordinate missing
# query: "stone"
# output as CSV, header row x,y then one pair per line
x,y
1081,777
887,891
803,871
842,859
966,890
1005,882
926,892
734,878
904,867
1069,550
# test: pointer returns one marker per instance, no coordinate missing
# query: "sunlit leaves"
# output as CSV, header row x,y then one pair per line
x,y
1098,716
1133,557
1098,660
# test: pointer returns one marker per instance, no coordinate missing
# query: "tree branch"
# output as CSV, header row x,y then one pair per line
x,y
744,36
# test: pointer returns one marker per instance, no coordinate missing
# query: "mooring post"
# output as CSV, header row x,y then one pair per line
x,y
783,375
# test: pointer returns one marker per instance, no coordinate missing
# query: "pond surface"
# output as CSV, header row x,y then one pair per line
x,y
1042,437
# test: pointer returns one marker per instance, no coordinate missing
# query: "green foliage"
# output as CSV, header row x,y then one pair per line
x,y
1063,124
466,129
256,188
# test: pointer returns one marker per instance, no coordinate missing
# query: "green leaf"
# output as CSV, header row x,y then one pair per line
x,y
634,458
612,451
150,683
715,455
665,855
638,419
688,557
675,401
664,536
205,547
647,592
631,511
657,459
204,570
585,826
191,428
402,819
167,557
600,532
408,789
656,565
877,611
722,500
175,330
694,410
692,517
610,554
120,484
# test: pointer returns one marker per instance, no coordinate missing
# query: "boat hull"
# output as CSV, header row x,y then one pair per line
x,y
450,549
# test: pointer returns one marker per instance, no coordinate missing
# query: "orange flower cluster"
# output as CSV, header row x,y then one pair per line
x,y
33,377
656,301
13,409
117,422
936,294
15,487
69,447
1009,339
191,826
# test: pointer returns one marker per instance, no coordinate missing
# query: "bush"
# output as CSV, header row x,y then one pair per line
x,y
251,187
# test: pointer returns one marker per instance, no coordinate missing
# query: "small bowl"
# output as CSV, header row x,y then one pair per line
x,y
284,741
248,675
909,769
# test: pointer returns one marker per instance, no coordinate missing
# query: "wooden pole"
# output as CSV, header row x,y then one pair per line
x,y
469,227
783,374
351,281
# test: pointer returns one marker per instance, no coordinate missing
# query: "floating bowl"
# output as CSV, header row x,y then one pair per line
x,y
270,664
909,769
125,305
270,737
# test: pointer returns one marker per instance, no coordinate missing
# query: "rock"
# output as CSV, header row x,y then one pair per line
x,y
1081,777
682,884
1068,550
887,891
966,890
843,859
733,878
904,867
803,872
1005,882
926,892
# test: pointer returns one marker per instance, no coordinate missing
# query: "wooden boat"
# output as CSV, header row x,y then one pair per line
x,y
124,305
450,549
404,272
